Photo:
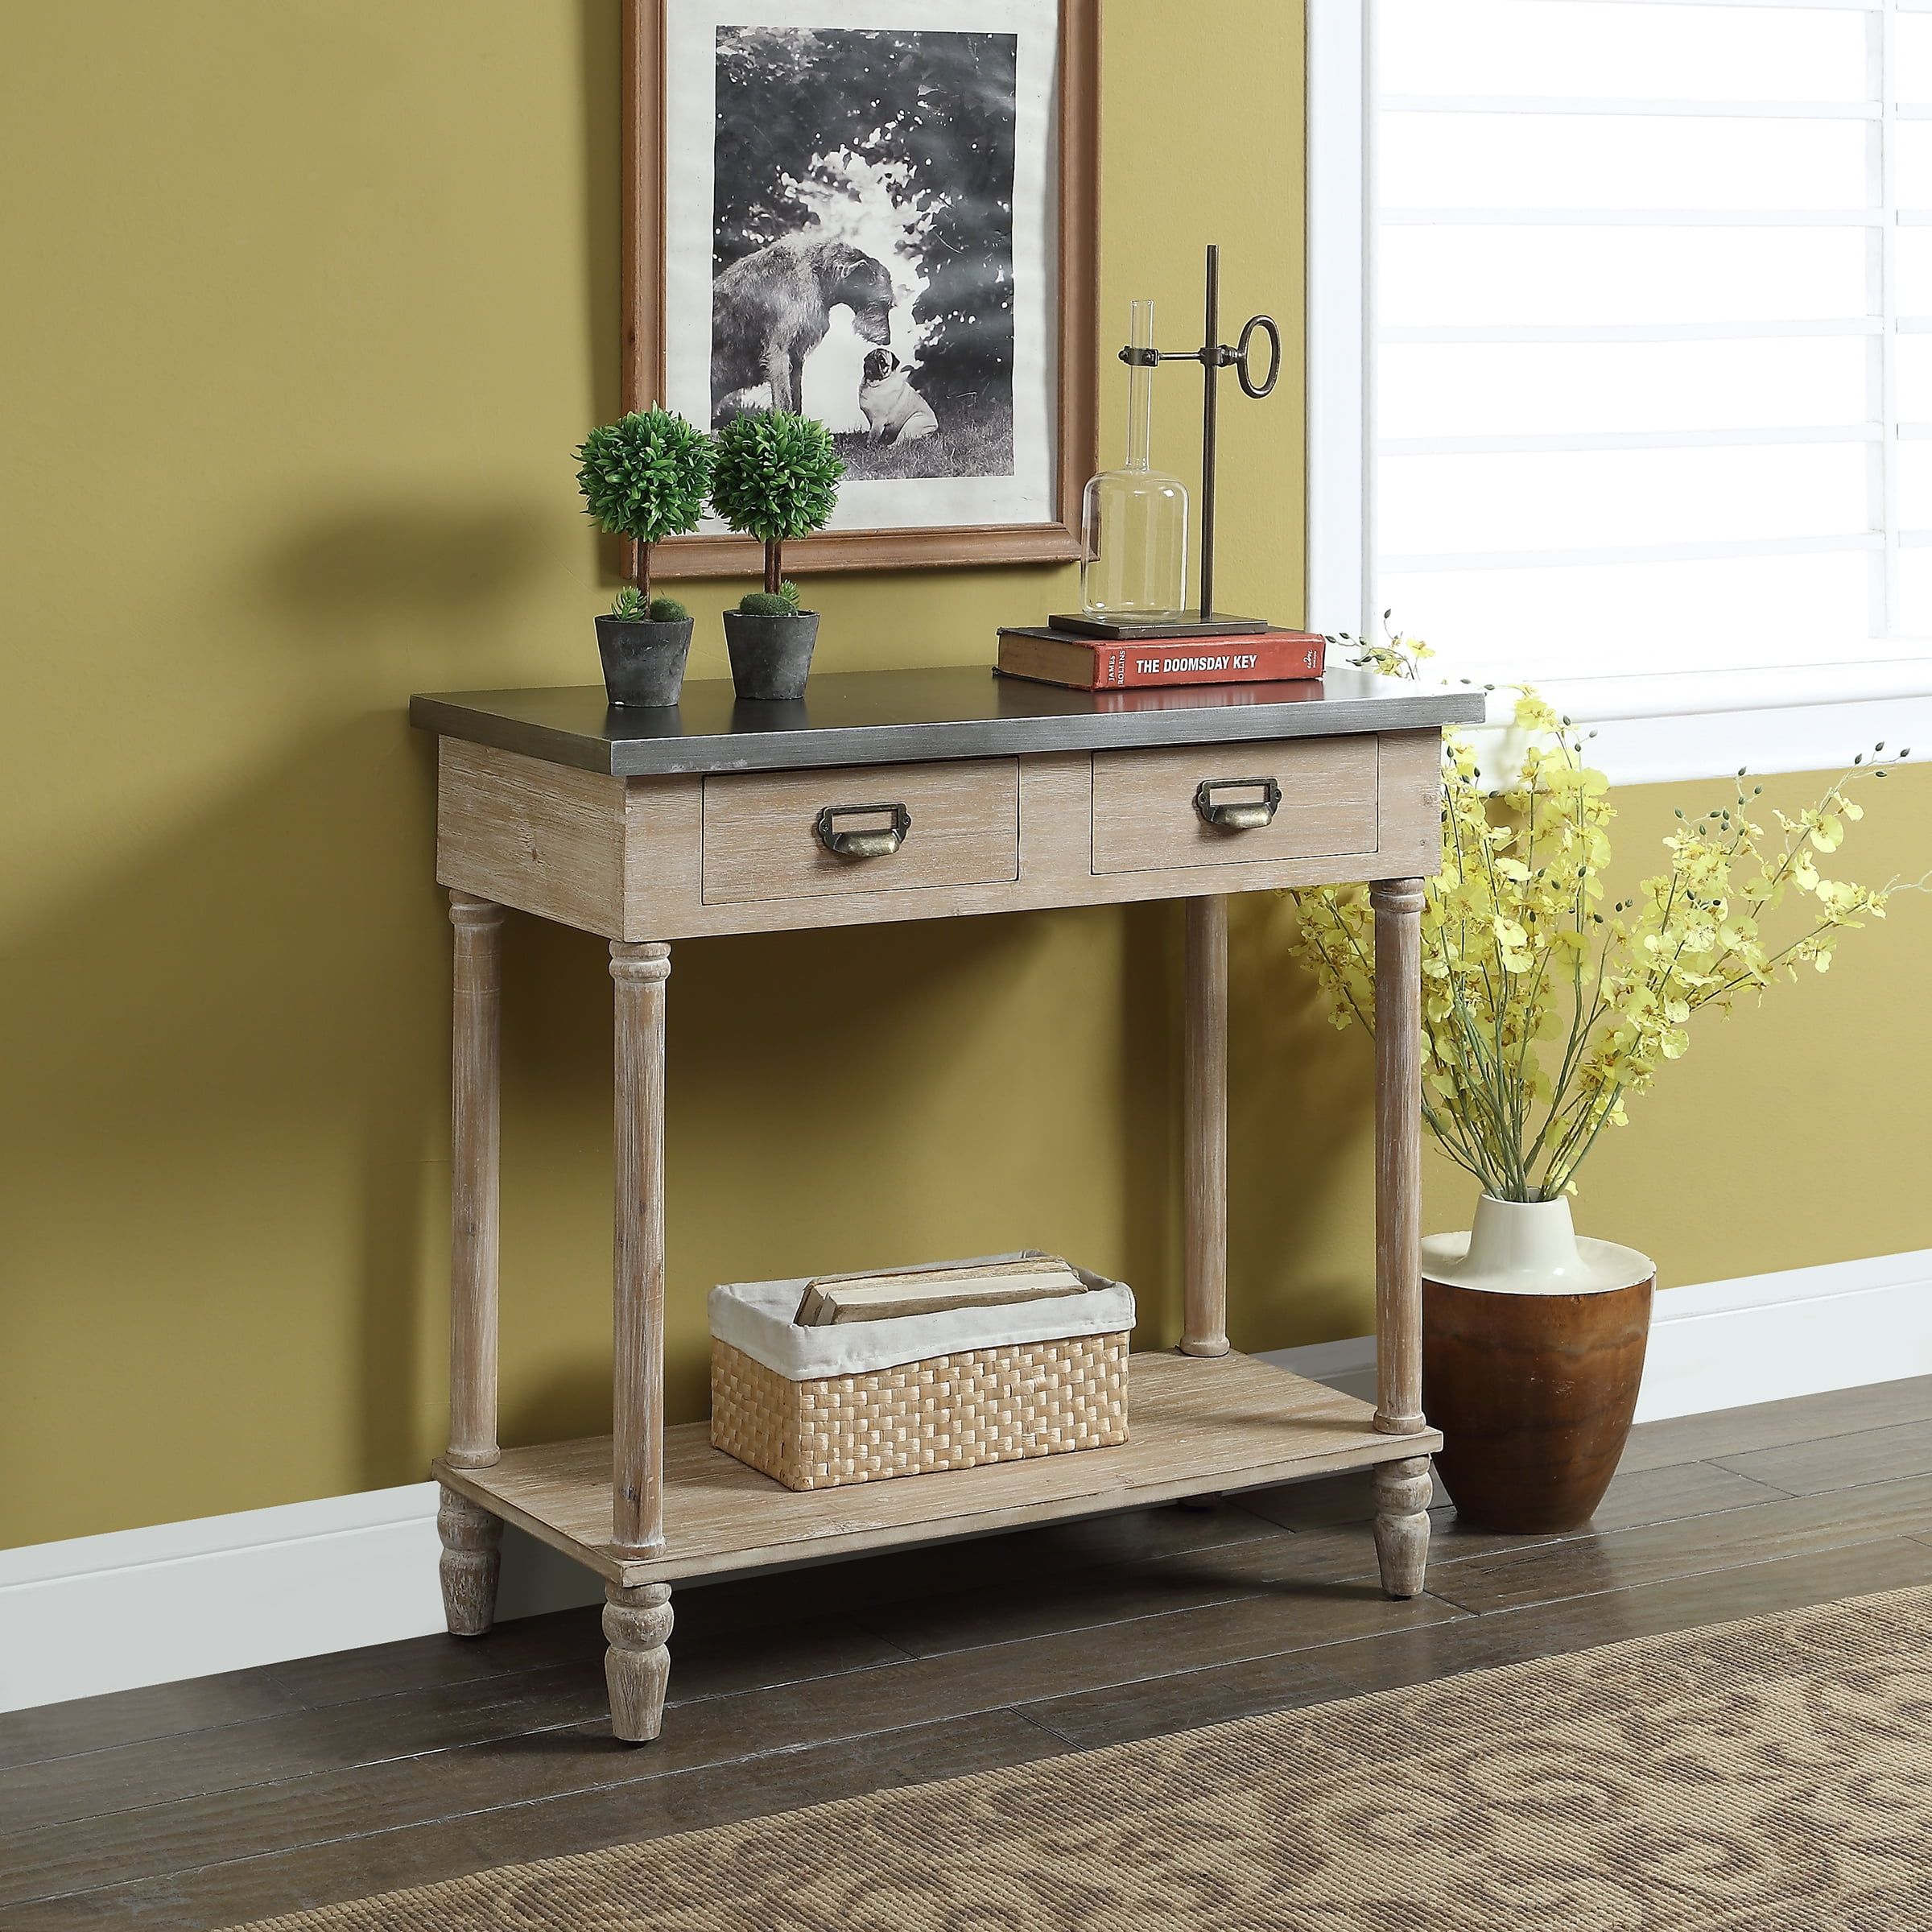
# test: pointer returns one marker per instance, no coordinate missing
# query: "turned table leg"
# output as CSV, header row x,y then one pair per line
x,y
472,1558
470,1535
637,1621
1401,1522
1204,1130
637,1667
640,970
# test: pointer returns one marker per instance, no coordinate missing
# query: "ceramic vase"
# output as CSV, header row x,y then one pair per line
x,y
1533,1350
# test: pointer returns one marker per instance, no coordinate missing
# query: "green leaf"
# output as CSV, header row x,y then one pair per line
x,y
646,476
776,476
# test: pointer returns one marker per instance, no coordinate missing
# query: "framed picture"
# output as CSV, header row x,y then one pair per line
x,y
881,213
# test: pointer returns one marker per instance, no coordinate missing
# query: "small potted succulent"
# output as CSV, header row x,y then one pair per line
x,y
776,478
644,476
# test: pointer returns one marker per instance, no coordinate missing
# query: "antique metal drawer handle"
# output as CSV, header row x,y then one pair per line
x,y
1237,814
866,842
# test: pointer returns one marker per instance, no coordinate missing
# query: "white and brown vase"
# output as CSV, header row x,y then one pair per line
x,y
1533,1350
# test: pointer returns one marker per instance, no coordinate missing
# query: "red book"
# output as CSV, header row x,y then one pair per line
x,y
1057,656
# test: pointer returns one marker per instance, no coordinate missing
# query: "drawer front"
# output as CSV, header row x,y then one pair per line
x,y
1219,804
769,835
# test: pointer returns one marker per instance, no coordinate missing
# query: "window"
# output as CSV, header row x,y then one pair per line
x,y
1645,330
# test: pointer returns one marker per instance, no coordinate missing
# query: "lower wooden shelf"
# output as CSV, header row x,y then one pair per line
x,y
1198,1425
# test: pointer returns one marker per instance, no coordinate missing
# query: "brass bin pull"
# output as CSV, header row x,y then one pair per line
x,y
865,842
1237,814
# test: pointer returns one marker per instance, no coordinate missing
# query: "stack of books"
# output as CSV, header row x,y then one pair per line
x,y
1269,655
834,1299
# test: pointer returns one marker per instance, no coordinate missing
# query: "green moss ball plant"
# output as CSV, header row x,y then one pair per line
x,y
784,602
628,607
645,477
776,477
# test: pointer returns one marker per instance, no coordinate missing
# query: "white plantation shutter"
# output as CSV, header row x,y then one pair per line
x,y
1647,326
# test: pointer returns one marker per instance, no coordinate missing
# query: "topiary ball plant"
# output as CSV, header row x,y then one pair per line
x,y
645,477
776,477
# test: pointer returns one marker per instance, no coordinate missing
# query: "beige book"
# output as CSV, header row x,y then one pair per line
x,y
878,1297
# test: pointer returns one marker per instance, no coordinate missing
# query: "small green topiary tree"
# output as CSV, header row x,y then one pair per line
x,y
776,478
645,477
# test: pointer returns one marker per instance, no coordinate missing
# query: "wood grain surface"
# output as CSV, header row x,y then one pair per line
x,y
760,840
1145,820
1409,803
632,858
636,1506
544,838
1230,1423
476,1110
1398,1154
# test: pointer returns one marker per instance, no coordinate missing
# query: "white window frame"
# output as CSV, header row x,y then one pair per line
x,y
1650,728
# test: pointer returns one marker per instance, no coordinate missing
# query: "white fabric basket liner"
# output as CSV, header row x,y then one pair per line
x,y
756,1318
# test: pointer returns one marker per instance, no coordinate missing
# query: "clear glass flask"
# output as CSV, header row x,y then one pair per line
x,y
1133,520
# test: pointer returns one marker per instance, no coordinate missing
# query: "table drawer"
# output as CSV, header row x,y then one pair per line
x,y
1217,805
770,835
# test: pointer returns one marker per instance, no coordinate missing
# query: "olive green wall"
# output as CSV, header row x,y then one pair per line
x,y
309,304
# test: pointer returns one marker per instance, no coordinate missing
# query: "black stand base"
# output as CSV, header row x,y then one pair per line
x,y
1128,630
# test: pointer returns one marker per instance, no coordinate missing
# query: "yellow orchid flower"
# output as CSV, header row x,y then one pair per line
x,y
1543,1016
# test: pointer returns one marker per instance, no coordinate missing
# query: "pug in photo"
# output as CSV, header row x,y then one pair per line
x,y
895,412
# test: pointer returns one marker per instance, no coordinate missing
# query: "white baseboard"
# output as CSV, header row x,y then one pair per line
x,y
103,1613
1763,1337
1758,1339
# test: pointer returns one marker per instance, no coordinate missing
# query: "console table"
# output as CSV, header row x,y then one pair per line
x,y
914,794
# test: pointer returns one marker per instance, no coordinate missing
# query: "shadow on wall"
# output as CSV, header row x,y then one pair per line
x,y
403,562
224,1070
1148,1052
1301,1174
601,58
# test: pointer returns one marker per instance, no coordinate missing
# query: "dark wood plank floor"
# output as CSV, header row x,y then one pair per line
x,y
205,1804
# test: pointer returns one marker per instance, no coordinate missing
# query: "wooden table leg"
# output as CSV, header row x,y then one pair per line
x,y
637,1621
637,1667
470,1536
1401,1488
472,1540
1204,1130
1401,1524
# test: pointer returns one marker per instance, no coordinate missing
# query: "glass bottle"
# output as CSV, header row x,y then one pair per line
x,y
1133,520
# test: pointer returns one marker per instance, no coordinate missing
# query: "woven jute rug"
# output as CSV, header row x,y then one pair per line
x,y
1768,1775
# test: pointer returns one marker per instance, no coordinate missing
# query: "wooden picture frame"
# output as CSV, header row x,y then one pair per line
x,y
1074,206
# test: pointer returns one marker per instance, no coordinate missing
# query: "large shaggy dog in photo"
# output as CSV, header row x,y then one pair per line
x,y
770,311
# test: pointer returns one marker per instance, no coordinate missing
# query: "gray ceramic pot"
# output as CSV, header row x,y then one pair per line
x,y
643,661
770,657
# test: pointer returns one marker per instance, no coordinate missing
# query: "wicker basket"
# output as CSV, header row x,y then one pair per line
x,y
996,1404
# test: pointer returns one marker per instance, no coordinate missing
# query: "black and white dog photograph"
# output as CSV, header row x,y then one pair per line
x,y
874,217
862,235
